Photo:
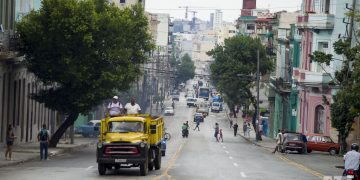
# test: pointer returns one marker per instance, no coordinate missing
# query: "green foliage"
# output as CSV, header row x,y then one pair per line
x,y
83,51
234,69
321,57
186,70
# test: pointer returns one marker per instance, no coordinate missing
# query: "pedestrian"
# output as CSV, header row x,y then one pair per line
x,y
221,136
304,139
236,127
197,124
231,123
115,107
279,140
44,138
245,129
216,132
248,129
132,107
261,129
10,137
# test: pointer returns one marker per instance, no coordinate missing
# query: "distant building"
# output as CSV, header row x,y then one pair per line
x,y
218,19
126,3
211,20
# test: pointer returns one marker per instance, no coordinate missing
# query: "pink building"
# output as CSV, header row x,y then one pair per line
x,y
318,29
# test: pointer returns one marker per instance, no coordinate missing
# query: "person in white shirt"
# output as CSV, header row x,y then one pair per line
x,y
115,107
279,140
352,159
132,107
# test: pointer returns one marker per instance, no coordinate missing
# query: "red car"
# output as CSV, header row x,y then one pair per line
x,y
320,142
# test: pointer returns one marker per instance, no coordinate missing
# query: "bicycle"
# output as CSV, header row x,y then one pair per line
x,y
167,135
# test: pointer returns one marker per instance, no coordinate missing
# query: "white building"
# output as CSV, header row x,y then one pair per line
x,y
218,19
126,3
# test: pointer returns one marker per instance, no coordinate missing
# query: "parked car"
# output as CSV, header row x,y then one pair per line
x,y
319,142
91,129
175,96
293,142
191,102
169,111
215,107
198,117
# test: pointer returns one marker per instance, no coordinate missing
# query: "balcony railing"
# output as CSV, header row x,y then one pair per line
x,y
316,21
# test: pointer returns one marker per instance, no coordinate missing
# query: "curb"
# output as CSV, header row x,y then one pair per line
x,y
51,154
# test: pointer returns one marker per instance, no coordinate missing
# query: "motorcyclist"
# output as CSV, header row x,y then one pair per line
x,y
173,105
184,128
352,159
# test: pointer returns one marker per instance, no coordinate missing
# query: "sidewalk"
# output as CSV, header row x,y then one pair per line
x,y
31,151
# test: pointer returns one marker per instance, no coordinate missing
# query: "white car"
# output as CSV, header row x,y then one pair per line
x,y
169,111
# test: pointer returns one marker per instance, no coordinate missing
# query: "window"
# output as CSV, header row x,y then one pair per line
x,y
319,122
125,127
250,26
122,1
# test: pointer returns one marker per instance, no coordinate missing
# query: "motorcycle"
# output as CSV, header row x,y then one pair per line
x,y
350,174
185,133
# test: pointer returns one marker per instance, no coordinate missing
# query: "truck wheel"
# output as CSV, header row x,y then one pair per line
x,y
157,160
101,169
151,166
144,169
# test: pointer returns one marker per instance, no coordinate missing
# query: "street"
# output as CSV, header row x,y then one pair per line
x,y
198,157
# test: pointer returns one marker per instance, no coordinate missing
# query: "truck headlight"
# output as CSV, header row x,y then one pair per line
x,y
142,145
99,144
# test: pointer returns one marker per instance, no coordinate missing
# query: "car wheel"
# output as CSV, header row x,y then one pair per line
x,y
332,151
309,150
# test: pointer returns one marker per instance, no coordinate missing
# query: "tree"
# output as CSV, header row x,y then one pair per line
x,y
186,70
83,52
234,69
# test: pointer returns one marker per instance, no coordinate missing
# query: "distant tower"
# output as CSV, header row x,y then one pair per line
x,y
211,20
218,19
248,5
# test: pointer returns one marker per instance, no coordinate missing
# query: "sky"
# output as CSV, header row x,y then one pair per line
x,y
230,8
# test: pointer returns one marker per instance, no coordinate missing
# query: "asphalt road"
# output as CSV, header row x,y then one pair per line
x,y
198,157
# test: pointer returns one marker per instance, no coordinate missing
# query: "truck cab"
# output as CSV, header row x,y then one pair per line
x,y
130,141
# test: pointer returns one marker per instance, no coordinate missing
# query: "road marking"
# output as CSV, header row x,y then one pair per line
x,y
236,165
227,152
88,168
243,174
300,166
171,162
230,157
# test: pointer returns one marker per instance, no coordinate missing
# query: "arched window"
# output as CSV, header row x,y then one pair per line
x,y
319,122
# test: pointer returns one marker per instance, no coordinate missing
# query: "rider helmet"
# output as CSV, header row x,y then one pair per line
x,y
355,146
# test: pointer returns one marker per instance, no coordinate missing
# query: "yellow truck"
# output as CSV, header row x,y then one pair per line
x,y
130,141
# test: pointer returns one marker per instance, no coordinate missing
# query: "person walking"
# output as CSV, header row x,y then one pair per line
x,y
304,139
248,129
236,127
231,123
245,128
279,141
216,132
197,124
44,138
221,136
10,137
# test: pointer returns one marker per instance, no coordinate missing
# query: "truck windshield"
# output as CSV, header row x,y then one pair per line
x,y
125,127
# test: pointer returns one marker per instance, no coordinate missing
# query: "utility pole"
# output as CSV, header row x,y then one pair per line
x,y
257,111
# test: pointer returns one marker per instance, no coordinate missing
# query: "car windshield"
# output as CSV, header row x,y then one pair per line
x,y
125,126
191,100
169,108
216,104
293,137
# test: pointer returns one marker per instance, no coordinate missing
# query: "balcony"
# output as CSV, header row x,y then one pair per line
x,y
316,21
311,78
9,46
